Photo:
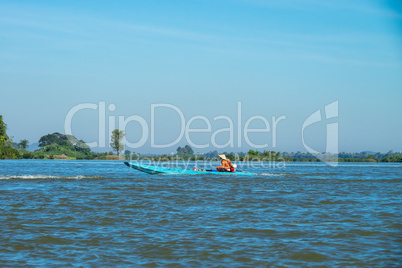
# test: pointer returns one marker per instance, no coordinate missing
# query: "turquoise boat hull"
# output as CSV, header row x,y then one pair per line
x,y
164,170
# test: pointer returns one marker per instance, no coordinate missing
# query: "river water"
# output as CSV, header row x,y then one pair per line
x,y
102,213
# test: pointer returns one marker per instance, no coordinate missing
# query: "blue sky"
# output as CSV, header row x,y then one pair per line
x,y
275,57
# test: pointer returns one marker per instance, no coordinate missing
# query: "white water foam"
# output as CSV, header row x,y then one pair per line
x,y
33,177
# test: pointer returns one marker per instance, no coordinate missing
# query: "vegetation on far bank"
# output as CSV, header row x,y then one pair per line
x,y
6,149
253,155
60,146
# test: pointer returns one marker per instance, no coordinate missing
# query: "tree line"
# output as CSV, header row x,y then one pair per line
x,y
60,146
186,153
55,146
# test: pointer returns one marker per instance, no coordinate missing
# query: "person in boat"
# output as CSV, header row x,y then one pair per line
x,y
226,165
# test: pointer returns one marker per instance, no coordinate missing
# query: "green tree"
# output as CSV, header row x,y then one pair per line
x,y
58,144
231,157
56,138
81,146
253,154
6,150
117,136
3,128
23,144
127,154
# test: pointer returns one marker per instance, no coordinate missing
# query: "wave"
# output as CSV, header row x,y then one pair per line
x,y
273,174
35,177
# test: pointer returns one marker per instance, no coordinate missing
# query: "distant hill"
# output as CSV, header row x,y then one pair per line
x,y
101,150
34,146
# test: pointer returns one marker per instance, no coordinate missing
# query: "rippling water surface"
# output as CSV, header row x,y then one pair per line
x,y
100,213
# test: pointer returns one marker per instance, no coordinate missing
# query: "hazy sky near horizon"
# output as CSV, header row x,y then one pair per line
x,y
278,58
